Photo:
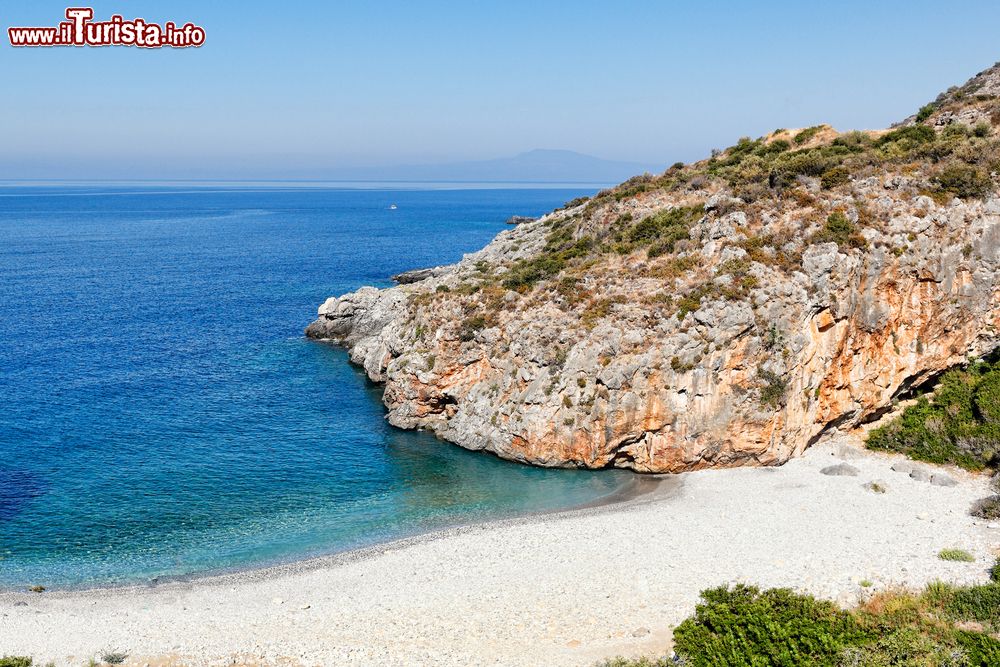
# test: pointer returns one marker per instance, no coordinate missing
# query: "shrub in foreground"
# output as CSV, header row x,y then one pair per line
x,y
744,626
15,661
638,662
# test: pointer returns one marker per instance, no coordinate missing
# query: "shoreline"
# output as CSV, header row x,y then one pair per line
x,y
634,490
567,588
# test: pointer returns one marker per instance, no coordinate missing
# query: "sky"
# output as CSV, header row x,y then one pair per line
x,y
293,89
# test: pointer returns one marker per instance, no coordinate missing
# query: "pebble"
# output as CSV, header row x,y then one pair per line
x,y
920,475
902,466
640,632
841,470
940,479
848,452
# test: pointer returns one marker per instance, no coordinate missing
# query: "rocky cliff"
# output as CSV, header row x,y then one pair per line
x,y
723,313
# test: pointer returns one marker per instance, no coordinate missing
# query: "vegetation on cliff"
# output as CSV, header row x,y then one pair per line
x,y
774,174
959,424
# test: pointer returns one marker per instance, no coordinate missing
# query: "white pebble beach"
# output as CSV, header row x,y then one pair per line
x,y
561,589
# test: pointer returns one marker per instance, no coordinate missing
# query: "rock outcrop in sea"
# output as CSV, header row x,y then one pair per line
x,y
727,312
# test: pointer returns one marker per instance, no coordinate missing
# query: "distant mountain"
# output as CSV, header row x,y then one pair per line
x,y
551,166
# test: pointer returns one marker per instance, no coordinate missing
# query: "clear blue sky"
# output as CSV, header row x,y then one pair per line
x,y
283,88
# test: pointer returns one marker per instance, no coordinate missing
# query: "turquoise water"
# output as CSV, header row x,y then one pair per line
x,y
161,413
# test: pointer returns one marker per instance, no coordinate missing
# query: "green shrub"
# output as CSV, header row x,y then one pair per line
x,y
470,327
975,603
746,626
909,136
986,398
965,181
560,248
15,661
906,646
596,310
979,649
954,426
807,134
658,233
835,176
840,230
925,112
573,203
637,662
958,555
691,301
679,366
773,392
995,572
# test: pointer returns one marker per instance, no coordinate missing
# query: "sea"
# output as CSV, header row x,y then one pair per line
x,y
162,414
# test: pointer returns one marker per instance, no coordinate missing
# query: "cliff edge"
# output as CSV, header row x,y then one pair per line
x,y
723,313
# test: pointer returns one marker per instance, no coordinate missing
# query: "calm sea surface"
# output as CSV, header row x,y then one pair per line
x,y
160,411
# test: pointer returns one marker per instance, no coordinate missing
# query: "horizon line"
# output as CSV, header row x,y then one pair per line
x,y
319,181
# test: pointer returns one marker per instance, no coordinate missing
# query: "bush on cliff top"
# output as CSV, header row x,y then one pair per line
x,y
959,424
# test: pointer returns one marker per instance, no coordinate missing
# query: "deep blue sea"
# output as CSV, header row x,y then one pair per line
x,y
161,413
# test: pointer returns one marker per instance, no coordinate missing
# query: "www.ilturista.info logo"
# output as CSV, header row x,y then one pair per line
x,y
81,30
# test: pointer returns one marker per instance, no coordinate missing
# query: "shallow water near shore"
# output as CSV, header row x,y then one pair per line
x,y
163,414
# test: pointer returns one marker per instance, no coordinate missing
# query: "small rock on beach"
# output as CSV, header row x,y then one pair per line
x,y
840,470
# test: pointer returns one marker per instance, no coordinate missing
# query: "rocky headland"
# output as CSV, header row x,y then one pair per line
x,y
727,312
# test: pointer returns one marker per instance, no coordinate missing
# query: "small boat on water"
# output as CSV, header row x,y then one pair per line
x,y
392,207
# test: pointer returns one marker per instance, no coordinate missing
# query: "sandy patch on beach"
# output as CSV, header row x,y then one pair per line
x,y
564,589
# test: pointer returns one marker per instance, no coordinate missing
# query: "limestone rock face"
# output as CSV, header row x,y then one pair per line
x,y
741,346
416,275
845,335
